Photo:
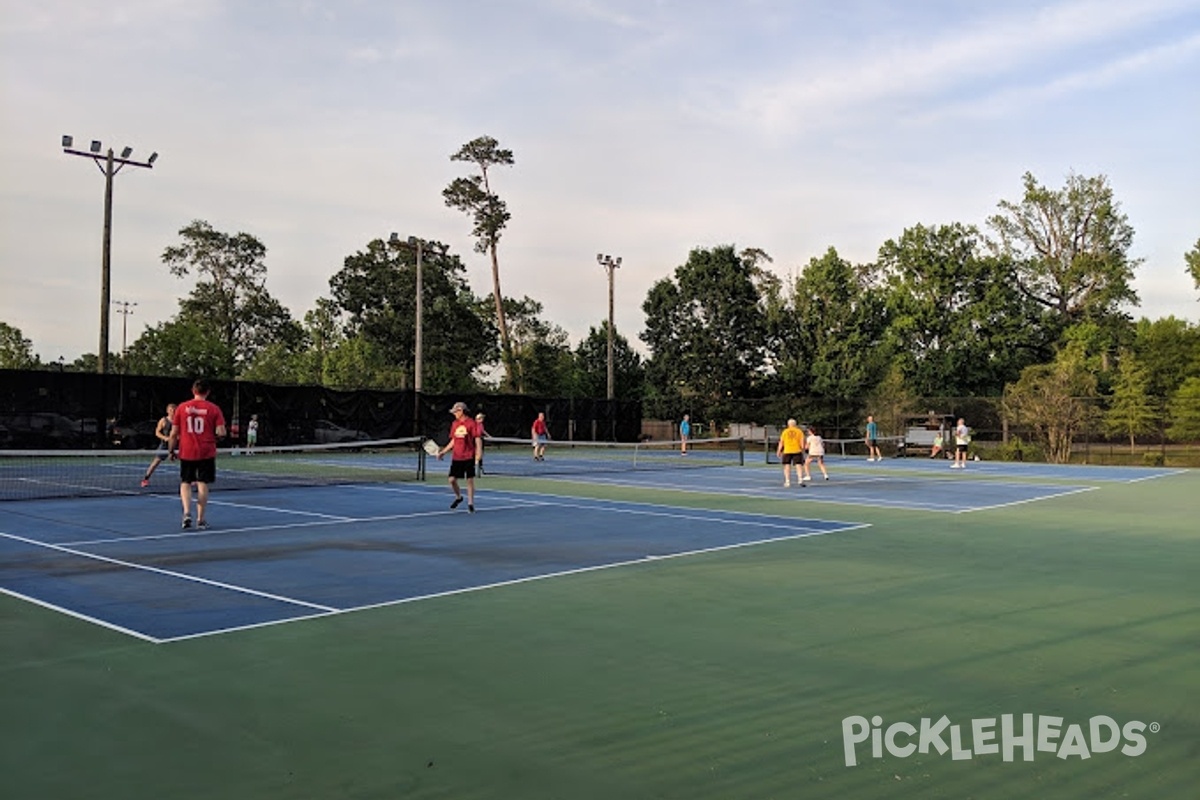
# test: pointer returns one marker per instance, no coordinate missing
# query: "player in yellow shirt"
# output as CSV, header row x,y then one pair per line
x,y
791,451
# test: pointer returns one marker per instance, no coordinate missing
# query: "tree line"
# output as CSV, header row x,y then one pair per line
x,y
1032,308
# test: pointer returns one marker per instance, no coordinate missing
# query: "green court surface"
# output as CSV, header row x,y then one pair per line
x,y
726,674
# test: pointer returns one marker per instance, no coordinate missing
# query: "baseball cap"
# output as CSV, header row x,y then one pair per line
x,y
458,407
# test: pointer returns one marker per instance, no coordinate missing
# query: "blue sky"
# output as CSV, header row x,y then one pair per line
x,y
641,129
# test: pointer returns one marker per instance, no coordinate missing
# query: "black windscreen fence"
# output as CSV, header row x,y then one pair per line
x,y
49,409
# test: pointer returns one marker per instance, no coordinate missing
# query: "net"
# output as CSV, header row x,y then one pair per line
x,y
43,474
506,456
845,448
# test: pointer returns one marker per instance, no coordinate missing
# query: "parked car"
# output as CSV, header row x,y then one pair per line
x,y
326,432
47,430
135,435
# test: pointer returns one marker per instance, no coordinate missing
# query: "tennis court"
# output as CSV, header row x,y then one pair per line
x,y
597,631
280,555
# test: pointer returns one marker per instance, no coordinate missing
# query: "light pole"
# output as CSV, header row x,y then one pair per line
x,y
610,264
109,165
124,308
417,246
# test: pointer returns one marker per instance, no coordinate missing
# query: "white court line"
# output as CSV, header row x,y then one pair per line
x,y
282,526
276,510
167,572
75,614
765,493
1075,490
517,581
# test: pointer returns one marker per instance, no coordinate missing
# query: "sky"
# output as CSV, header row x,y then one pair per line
x,y
640,128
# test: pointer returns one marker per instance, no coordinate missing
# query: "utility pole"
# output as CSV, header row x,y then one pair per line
x,y
610,265
109,166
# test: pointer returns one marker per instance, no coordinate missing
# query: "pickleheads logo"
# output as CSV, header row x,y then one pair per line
x,y
1029,734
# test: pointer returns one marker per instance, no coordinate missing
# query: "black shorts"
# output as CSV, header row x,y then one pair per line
x,y
462,469
202,471
792,458
960,448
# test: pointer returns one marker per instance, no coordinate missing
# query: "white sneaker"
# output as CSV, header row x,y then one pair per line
x,y
787,483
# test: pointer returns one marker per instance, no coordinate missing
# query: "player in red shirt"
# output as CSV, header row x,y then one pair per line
x,y
467,446
196,427
540,434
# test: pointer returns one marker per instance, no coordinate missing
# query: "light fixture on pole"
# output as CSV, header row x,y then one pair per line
x,y
109,165
124,308
610,264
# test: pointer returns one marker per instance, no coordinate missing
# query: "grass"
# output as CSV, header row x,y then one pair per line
x,y
725,675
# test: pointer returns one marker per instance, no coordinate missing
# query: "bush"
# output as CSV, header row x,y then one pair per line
x,y
1017,449
1154,459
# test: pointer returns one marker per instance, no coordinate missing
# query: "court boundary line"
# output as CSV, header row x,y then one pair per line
x,y
80,616
647,559
168,573
764,493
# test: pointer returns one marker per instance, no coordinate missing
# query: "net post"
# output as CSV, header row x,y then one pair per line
x,y
741,451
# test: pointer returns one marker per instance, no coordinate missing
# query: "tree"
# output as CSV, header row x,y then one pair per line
x,y
591,364
1192,259
230,294
1054,400
473,195
1071,248
705,329
376,288
1133,410
16,352
1185,412
829,339
958,323
1169,350
541,352
183,347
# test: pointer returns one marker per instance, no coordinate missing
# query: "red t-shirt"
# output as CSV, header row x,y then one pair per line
x,y
463,433
539,427
197,422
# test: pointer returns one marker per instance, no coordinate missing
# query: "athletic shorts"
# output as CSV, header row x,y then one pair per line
x,y
203,471
462,469
872,443
792,458
960,448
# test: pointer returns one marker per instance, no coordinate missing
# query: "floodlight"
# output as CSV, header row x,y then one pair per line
x,y
394,238
127,152
95,148
67,140
153,158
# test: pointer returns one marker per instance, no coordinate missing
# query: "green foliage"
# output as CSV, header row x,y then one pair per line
x,y
229,294
828,340
541,350
1192,259
1017,449
1185,412
1132,410
473,196
892,401
1054,401
1169,350
16,352
1070,247
376,289
958,322
705,328
183,347
591,364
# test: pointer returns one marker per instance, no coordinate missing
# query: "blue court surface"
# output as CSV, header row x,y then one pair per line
x,y
278,555
876,485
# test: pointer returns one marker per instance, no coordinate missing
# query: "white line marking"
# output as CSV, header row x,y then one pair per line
x,y
169,573
94,620
528,579
276,509
1069,491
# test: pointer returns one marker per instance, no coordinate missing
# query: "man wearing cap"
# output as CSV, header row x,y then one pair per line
x,y
465,448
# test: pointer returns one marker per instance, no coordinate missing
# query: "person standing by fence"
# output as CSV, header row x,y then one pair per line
x,y
685,433
872,440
